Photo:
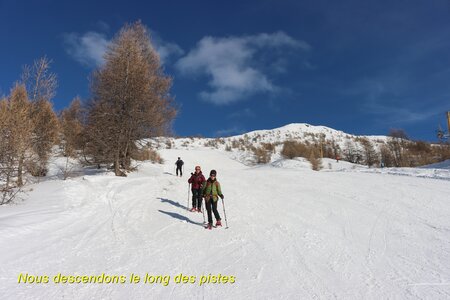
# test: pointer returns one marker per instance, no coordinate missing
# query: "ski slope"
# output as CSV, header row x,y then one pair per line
x,y
341,233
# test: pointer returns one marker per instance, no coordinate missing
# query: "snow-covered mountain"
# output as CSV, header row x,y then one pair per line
x,y
240,146
303,132
297,131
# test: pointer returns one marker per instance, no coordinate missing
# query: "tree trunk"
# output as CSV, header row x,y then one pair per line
x,y
117,170
19,171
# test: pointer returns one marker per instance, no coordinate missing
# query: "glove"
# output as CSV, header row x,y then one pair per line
x,y
192,174
222,196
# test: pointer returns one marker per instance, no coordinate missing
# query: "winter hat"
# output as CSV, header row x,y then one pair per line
x,y
213,172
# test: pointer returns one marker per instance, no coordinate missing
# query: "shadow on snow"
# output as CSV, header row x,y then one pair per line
x,y
164,200
180,217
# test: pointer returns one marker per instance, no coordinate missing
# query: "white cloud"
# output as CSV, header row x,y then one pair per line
x,y
87,49
166,50
229,132
403,114
242,114
277,39
102,26
230,63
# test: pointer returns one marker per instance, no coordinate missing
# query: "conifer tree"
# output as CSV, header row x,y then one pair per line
x,y
370,155
21,126
71,123
41,87
130,98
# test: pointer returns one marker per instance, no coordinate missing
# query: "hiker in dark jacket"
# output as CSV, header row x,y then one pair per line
x,y
212,192
179,164
197,180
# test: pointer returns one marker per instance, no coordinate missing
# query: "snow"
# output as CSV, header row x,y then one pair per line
x,y
346,232
240,146
441,165
295,131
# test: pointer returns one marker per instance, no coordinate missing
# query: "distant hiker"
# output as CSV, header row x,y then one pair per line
x,y
337,158
197,179
179,164
212,192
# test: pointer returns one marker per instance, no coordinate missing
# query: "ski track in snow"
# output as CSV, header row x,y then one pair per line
x,y
293,234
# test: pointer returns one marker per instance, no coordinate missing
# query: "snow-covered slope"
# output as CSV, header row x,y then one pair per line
x,y
240,146
295,131
293,233
445,165
302,131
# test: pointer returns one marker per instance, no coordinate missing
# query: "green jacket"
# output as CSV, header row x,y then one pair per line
x,y
211,188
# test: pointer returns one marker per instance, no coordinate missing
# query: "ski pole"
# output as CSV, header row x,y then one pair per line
x,y
189,189
203,210
224,214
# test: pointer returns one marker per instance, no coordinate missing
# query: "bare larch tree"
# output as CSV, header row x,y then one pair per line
x,y
41,86
130,98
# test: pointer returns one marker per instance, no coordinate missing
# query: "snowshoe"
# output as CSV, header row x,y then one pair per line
x,y
208,226
218,223
193,209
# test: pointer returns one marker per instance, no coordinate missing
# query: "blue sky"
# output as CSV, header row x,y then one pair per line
x,y
358,66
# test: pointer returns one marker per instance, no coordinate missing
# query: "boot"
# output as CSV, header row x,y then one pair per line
x,y
218,223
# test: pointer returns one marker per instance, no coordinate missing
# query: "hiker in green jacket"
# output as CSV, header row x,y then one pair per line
x,y
212,192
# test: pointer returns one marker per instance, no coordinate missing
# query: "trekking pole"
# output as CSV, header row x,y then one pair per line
x,y
203,210
189,190
224,214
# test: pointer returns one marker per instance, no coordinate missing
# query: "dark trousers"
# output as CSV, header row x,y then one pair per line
x,y
211,204
197,198
181,172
